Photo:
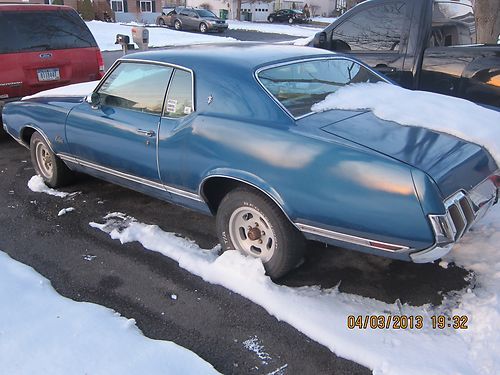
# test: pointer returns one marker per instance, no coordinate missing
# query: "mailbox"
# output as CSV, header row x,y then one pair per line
x,y
124,41
140,36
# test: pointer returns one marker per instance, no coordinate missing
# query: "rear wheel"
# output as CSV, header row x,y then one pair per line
x,y
161,22
271,19
47,165
290,21
203,28
177,25
252,223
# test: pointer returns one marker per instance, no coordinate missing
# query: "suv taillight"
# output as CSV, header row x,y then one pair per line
x,y
100,62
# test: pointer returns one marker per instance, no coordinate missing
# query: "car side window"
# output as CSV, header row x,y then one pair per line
x,y
136,86
453,24
180,95
378,28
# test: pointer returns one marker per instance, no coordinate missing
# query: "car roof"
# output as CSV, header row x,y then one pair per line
x,y
31,7
231,56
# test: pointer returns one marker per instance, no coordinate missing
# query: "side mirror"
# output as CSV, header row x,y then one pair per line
x,y
94,100
339,45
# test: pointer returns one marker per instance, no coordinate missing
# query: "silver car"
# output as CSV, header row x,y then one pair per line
x,y
183,18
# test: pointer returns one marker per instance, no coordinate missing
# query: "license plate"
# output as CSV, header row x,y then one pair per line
x,y
48,74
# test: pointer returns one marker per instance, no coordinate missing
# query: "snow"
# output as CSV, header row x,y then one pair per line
x,y
105,35
253,344
273,28
321,314
327,20
37,185
64,211
446,114
42,332
76,89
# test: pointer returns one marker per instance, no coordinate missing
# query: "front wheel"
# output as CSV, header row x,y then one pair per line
x,y
252,223
203,28
290,21
47,165
271,19
177,25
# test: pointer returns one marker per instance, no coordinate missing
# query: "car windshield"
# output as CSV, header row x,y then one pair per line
x,y
300,85
205,13
42,31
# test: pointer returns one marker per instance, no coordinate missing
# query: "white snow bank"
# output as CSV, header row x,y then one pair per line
x,y
322,314
324,19
446,114
76,89
105,35
294,30
42,332
37,185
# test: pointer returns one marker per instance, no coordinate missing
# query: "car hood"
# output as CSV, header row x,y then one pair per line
x,y
454,164
211,19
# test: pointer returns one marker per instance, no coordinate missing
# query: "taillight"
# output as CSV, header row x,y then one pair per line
x,y
100,62
496,179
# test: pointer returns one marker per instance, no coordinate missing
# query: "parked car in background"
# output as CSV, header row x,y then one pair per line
x,y
184,18
272,171
427,45
42,47
288,15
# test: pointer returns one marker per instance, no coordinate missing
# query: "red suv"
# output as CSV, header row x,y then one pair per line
x,y
42,47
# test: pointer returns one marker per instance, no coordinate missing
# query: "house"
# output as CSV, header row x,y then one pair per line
x,y
144,11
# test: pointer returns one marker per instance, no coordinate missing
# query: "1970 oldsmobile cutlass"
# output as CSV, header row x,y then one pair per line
x,y
217,131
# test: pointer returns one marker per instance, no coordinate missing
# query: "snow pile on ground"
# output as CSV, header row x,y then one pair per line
x,y
105,35
322,314
327,20
64,211
273,28
76,89
42,332
446,114
37,185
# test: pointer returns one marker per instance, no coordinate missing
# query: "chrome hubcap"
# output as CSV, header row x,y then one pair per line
x,y
44,160
251,233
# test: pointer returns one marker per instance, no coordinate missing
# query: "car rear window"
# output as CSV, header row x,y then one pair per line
x,y
22,31
297,86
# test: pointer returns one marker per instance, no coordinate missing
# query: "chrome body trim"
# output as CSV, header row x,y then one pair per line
x,y
430,254
129,177
4,125
349,238
267,67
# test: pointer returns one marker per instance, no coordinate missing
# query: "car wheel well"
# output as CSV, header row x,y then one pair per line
x,y
26,134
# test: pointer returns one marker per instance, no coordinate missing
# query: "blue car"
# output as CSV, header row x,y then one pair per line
x,y
229,131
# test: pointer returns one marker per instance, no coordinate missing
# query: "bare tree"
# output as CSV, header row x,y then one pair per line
x,y
487,14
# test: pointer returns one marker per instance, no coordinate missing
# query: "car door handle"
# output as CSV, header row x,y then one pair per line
x,y
147,133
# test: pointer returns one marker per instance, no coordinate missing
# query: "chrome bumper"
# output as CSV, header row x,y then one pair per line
x,y
463,210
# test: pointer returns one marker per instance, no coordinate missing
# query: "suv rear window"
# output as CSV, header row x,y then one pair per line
x,y
22,31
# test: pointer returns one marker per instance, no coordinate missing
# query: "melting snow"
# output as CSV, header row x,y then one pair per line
x,y
446,114
37,185
42,332
321,314
77,89
64,211
253,344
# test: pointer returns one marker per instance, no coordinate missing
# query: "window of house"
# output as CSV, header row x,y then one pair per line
x,y
146,6
180,95
378,28
117,5
136,86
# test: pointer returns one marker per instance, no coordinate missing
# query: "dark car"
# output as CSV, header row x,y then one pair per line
x,y
184,18
427,45
42,47
249,149
288,15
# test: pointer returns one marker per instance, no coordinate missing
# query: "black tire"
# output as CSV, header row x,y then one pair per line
x,y
288,244
290,21
47,165
161,22
177,25
270,19
203,28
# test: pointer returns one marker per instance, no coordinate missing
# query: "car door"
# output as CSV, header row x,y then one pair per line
x,y
376,34
174,131
118,132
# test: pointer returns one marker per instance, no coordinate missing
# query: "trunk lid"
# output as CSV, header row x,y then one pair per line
x,y
452,163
